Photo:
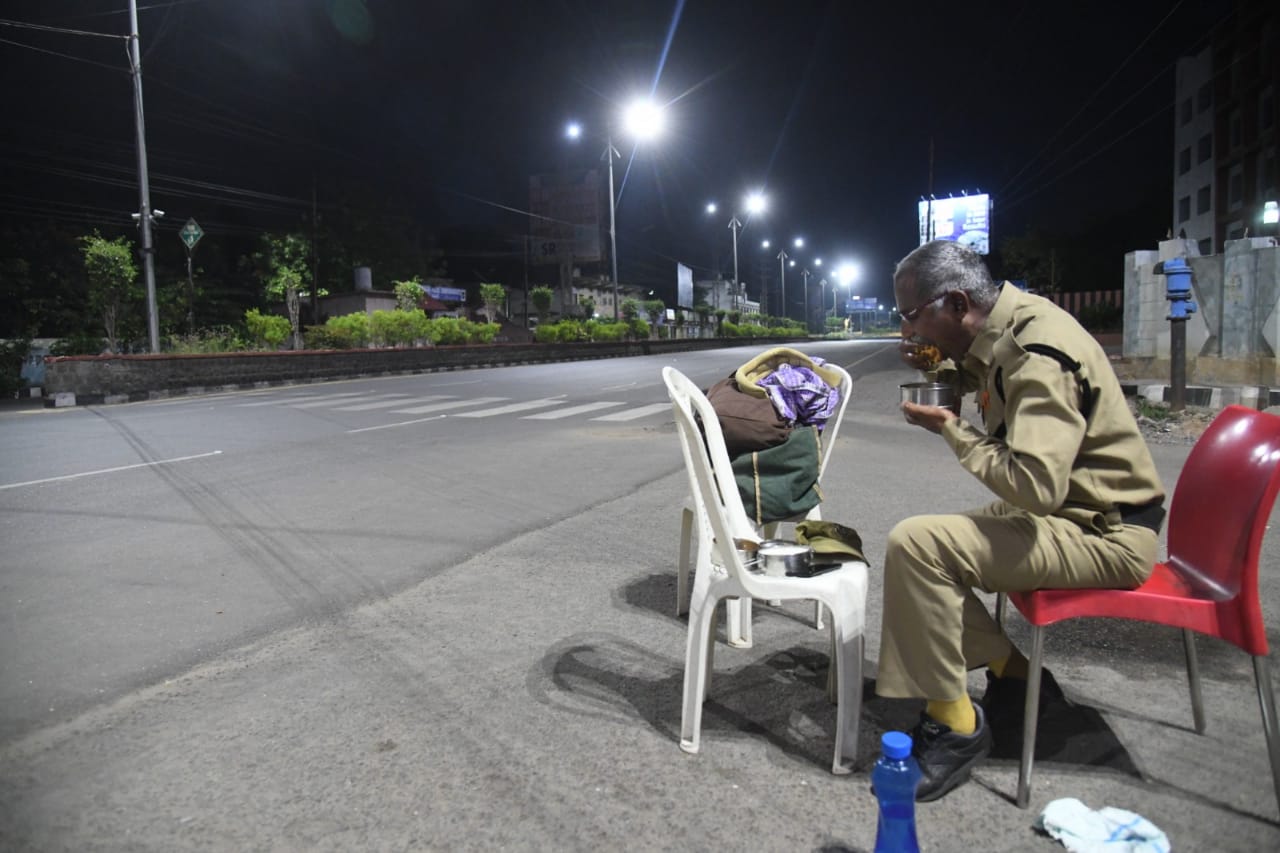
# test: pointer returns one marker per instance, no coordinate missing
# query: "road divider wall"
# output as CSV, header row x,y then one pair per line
x,y
90,380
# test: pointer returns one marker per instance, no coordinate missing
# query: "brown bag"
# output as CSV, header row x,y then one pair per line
x,y
749,423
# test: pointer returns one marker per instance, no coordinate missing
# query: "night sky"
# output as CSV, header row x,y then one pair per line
x,y
1063,111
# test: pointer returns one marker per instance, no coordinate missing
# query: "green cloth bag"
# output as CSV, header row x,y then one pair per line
x,y
781,482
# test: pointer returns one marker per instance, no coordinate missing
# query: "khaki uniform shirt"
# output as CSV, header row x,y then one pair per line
x,y
1038,451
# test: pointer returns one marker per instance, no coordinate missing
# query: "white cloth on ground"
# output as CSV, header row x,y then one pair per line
x,y
1107,830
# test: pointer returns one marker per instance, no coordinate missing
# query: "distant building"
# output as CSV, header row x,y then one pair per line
x,y
568,229
1226,143
721,294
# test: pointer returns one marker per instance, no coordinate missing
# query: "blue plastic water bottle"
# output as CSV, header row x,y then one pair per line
x,y
894,779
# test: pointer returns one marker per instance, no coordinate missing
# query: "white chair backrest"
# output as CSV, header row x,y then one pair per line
x,y
832,428
707,463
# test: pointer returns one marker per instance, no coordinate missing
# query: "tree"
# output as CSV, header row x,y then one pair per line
x,y
492,296
588,305
408,293
541,297
703,311
113,282
287,261
1032,259
657,311
630,309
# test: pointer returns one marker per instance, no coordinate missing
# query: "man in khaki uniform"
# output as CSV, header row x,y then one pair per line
x,y
1079,502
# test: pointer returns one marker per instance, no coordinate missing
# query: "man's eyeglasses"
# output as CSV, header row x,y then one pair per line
x,y
914,314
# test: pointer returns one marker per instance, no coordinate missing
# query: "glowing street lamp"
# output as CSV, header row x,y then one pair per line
x,y
642,120
754,204
846,274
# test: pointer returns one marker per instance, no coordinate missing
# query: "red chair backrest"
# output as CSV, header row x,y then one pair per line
x,y
1221,506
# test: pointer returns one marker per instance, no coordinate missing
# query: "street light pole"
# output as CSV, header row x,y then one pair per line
x,y
735,226
808,321
144,189
609,153
782,274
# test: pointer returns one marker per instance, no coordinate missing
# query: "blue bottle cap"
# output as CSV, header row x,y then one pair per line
x,y
896,745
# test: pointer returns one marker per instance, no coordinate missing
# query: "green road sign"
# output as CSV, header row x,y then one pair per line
x,y
191,233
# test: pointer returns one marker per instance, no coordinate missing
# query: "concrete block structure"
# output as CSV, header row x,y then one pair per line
x,y
1234,335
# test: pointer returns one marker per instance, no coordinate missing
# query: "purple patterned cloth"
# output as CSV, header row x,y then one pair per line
x,y
800,395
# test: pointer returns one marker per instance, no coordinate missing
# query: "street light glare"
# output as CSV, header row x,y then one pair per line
x,y
847,273
817,262
711,207
791,263
755,203
764,244
799,242
573,130
643,120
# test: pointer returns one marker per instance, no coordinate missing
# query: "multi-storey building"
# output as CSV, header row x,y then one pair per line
x,y
1226,142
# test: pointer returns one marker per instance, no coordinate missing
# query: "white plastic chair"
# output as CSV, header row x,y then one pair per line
x,y
722,520
739,612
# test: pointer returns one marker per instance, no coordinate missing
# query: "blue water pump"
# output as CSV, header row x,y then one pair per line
x,y
1177,278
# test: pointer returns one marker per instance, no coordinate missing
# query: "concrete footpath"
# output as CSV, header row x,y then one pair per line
x,y
529,699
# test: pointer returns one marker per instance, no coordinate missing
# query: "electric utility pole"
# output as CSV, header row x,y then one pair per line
x,y
144,188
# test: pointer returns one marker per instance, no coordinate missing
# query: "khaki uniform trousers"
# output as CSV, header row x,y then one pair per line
x,y
935,627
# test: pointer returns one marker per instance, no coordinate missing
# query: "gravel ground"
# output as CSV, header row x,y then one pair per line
x,y
1161,426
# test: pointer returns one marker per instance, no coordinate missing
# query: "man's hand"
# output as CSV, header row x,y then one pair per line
x,y
931,418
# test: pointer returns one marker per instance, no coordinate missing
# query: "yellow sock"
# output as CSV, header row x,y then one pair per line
x,y
1013,666
957,714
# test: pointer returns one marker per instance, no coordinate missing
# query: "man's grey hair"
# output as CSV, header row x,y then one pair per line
x,y
940,266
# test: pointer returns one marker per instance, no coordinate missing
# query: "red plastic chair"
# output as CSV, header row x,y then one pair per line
x,y
1209,584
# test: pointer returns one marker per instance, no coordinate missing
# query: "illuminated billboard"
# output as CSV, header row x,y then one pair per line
x,y
684,286
967,220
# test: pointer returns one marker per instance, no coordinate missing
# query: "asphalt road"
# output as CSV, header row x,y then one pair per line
x,y
435,612
143,539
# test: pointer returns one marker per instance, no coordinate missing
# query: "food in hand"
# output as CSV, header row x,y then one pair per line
x,y
928,356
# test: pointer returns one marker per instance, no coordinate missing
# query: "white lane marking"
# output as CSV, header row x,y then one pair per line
x,y
398,424
514,407
634,414
386,404
110,470
572,410
330,400
278,401
440,407
608,388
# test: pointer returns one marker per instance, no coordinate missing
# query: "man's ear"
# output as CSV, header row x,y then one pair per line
x,y
959,302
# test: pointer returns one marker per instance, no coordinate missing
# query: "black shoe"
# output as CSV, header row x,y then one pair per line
x,y
1005,700
946,758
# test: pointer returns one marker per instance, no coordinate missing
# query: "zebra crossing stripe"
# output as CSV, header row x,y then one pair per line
x,y
514,407
387,404
440,407
569,412
634,414
278,401
329,400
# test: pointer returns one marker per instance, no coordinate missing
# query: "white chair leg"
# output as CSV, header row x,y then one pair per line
x,y
1031,715
696,670
846,664
817,615
738,624
1193,679
743,639
682,568
1267,702
1002,601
